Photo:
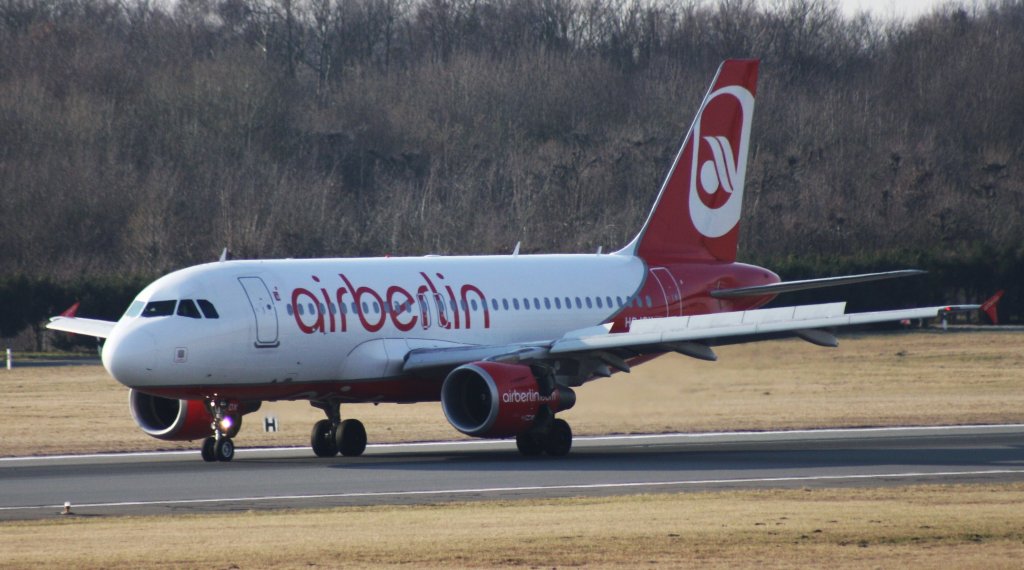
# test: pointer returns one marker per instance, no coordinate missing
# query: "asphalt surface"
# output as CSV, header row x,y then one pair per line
x,y
180,482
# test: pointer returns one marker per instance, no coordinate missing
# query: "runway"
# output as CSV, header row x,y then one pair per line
x,y
180,482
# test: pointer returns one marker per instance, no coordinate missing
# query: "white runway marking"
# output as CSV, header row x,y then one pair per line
x,y
526,489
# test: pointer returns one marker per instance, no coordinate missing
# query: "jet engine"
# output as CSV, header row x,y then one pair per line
x,y
177,420
492,399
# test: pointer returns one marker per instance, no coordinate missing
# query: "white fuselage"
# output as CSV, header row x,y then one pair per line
x,y
296,322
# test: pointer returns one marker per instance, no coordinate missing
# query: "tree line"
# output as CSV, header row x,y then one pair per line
x,y
137,137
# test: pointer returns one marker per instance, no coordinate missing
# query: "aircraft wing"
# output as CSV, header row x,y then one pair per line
x,y
803,285
693,335
78,325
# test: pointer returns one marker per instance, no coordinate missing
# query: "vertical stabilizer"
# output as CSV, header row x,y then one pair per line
x,y
697,213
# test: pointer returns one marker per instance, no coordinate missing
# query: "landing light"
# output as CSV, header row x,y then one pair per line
x,y
226,423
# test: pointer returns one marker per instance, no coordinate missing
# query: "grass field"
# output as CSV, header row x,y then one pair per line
x,y
926,527
922,378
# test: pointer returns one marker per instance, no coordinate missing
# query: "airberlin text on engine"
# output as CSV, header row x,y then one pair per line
x,y
432,304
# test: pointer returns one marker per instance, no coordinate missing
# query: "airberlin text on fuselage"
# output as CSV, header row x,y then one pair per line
x,y
430,305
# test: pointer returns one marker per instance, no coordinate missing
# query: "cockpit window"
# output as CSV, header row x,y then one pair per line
x,y
159,309
187,308
134,309
208,310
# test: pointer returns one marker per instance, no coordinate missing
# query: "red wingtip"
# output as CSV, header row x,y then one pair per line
x,y
70,311
990,307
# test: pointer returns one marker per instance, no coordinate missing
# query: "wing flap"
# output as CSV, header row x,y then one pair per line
x,y
78,325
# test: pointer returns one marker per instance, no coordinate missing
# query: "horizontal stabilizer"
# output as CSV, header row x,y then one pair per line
x,y
78,325
790,286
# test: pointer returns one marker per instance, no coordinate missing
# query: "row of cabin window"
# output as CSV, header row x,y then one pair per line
x,y
185,308
473,305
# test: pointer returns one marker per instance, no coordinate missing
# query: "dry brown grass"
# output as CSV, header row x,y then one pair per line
x,y
891,379
927,526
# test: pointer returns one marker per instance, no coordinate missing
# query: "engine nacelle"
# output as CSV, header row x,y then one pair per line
x,y
177,420
492,399
166,418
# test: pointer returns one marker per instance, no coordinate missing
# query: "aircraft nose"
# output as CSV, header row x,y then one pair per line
x,y
130,357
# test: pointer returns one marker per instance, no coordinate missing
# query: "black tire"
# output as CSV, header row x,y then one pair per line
x,y
529,444
322,439
224,449
207,450
351,438
558,440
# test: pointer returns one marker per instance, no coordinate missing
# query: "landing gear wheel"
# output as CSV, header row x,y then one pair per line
x,y
224,449
351,438
207,451
529,444
322,439
558,440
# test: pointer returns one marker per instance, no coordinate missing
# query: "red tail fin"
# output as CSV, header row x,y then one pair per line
x,y
696,216
990,307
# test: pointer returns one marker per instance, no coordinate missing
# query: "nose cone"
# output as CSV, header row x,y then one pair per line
x,y
130,357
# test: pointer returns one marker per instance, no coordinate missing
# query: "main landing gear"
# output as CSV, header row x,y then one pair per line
x,y
333,436
554,438
227,420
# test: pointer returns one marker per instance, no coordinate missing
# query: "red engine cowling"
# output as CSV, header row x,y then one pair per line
x,y
170,419
491,399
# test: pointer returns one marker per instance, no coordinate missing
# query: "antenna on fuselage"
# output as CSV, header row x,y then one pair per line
x,y
515,251
223,255
599,248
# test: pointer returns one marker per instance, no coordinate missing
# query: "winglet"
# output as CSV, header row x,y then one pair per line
x,y
990,307
72,310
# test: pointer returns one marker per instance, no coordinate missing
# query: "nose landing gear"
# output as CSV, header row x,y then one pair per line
x,y
332,436
227,420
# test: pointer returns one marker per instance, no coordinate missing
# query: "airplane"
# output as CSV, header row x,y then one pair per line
x,y
501,341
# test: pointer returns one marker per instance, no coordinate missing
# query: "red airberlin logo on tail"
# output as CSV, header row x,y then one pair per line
x,y
718,169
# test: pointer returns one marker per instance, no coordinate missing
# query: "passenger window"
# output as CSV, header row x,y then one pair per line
x,y
323,309
159,309
376,308
619,300
558,303
504,304
579,304
312,309
547,303
526,303
649,304
366,308
463,303
568,303
494,304
589,306
598,299
472,303
134,309
301,311
515,303
536,303
208,309
609,301
332,308
288,309
187,308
